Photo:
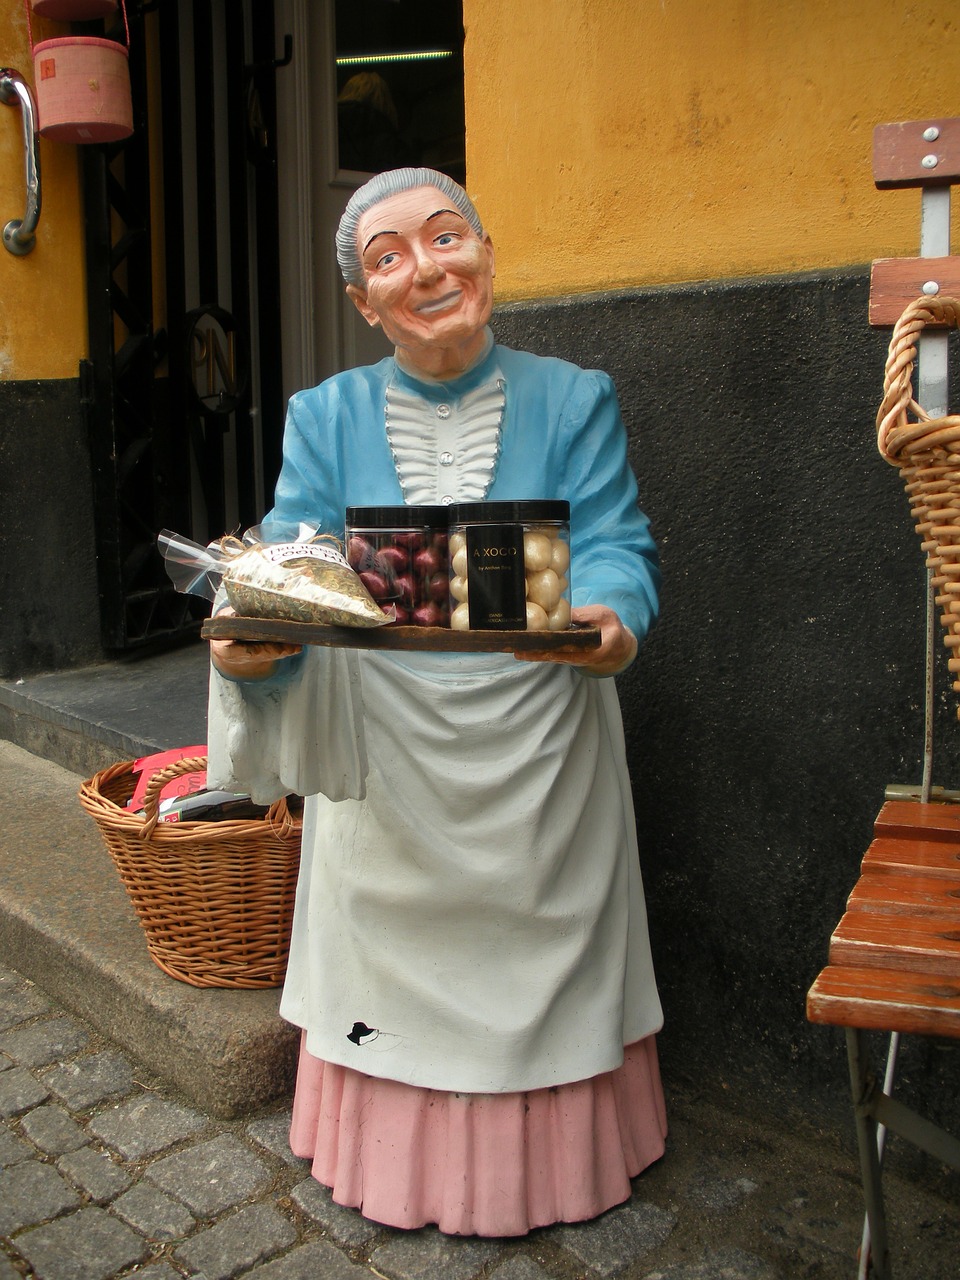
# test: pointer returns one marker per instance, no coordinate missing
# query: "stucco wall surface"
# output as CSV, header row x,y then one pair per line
x,y
613,143
43,330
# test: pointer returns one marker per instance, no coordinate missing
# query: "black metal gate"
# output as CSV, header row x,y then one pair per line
x,y
182,387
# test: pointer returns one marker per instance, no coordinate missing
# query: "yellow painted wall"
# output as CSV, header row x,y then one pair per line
x,y
610,143
630,142
43,323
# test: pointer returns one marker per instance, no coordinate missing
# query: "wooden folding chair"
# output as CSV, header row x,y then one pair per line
x,y
894,958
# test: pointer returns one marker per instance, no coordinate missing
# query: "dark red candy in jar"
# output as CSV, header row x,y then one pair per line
x,y
400,554
393,559
380,586
360,554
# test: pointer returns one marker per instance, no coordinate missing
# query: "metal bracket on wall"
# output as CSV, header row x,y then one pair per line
x,y
19,233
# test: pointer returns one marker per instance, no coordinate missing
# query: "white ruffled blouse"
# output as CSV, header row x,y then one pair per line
x,y
445,436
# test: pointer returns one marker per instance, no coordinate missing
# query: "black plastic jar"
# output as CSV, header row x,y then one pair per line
x,y
510,565
400,554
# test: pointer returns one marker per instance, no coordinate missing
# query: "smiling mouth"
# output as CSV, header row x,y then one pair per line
x,y
439,304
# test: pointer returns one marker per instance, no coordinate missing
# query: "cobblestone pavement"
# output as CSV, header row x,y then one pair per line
x,y
106,1173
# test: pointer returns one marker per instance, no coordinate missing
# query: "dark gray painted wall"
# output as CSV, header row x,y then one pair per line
x,y
49,616
782,689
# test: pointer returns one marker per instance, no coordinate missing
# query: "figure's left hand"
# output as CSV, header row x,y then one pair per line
x,y
247,660
617,649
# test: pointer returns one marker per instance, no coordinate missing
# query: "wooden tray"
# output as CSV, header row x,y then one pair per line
x,y
438,639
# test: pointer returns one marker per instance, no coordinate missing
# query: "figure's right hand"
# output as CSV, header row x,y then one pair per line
x,y
248,659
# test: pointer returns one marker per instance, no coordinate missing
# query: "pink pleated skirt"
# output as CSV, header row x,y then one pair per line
x,y
479,1164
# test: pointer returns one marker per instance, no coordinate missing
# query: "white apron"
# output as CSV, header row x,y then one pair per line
x,y
476,923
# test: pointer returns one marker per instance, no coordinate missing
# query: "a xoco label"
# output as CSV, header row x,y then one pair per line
x,y
282,551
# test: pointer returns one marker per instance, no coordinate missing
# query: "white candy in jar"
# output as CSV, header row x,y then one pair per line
x,y
458,561
537,619
558,619
543,589
537,550
543,567
559,557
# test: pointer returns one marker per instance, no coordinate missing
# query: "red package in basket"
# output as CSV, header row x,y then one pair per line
x,y
185,785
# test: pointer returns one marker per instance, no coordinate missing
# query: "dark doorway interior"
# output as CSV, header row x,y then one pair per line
x,y
182,389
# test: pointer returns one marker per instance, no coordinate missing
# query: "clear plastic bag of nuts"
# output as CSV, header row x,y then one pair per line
x,y
303,579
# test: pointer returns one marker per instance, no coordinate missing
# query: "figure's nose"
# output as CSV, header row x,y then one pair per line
x,y
429,271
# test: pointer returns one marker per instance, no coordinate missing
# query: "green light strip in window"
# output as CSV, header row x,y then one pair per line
x,y
362,59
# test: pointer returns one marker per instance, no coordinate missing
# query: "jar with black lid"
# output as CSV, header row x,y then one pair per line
x,y
400,554
510,565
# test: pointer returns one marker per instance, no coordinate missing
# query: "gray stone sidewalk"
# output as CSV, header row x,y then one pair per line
x,y
105,1172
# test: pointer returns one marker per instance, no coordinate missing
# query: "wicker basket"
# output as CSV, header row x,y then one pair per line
x,y
215,899
927,452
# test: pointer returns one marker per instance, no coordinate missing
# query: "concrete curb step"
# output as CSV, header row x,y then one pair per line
x,y
88,718
65,919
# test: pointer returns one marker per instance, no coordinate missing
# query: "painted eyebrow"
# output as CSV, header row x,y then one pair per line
x,y
436,214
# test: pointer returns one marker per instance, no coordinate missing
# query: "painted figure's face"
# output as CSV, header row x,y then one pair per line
x,y
429,277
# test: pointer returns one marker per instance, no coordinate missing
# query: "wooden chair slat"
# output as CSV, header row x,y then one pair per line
x,y
900,856
899,150
913,1003
896,282
909,819
918,894
875,939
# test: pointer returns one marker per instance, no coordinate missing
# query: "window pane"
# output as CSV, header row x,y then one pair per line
x,y
400,85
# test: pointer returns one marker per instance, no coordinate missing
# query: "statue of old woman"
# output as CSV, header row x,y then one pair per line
x,y
469,964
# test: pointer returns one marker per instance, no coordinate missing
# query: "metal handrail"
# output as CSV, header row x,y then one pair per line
x,y
19,233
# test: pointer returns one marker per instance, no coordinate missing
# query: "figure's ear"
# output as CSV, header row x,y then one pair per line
x,y
488,245
358,297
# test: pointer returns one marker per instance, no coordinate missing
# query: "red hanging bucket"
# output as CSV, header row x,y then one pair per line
x,y
82,86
